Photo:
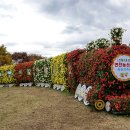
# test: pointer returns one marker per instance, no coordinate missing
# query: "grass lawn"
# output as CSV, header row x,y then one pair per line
x,y
31,108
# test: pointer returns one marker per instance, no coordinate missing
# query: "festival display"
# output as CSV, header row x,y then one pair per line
x,y
101,77
72,77
101,73
41,73
59,72
7,75
24,73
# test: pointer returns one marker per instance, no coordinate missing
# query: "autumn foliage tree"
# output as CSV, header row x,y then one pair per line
x,y
5,56
20,57
33,57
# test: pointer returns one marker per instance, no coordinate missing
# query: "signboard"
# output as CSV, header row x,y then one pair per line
x,y
121,67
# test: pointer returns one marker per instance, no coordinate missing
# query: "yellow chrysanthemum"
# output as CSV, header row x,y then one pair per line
x,y
59,70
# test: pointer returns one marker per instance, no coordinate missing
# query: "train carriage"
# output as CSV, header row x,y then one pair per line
x,y
42,73
7,76
24,73
72,75
59,72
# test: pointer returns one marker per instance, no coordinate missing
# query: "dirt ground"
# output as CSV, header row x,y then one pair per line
x,y
33,108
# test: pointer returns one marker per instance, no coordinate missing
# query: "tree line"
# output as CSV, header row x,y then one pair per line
x,y
6,58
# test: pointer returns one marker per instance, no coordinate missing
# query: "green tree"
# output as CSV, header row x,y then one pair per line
x,y
5,56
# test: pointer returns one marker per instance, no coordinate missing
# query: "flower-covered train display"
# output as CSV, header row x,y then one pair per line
x,y
96,70
98,75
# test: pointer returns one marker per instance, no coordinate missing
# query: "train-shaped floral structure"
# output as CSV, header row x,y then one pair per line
x,y
99,77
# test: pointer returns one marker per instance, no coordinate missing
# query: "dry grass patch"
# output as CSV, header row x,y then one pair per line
x,y
46,109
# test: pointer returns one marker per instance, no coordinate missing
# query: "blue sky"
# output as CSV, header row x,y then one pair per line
x,y
52,27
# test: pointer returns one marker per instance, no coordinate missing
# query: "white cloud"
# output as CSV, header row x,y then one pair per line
x,y
119,3
52,27
28,28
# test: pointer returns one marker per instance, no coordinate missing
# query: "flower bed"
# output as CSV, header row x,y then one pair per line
x,y
72,58
41,71
7,74
59,70
24,72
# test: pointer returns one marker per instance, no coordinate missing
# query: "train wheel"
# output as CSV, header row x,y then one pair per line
x,y
108,106
86,103
99,105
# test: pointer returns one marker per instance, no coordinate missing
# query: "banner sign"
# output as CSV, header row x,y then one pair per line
x,y
121,67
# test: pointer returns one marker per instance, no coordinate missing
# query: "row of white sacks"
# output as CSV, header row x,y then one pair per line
x,y
59,87
47,85
6,85
27,85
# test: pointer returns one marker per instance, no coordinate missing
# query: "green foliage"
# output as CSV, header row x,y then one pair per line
x,y
5,57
